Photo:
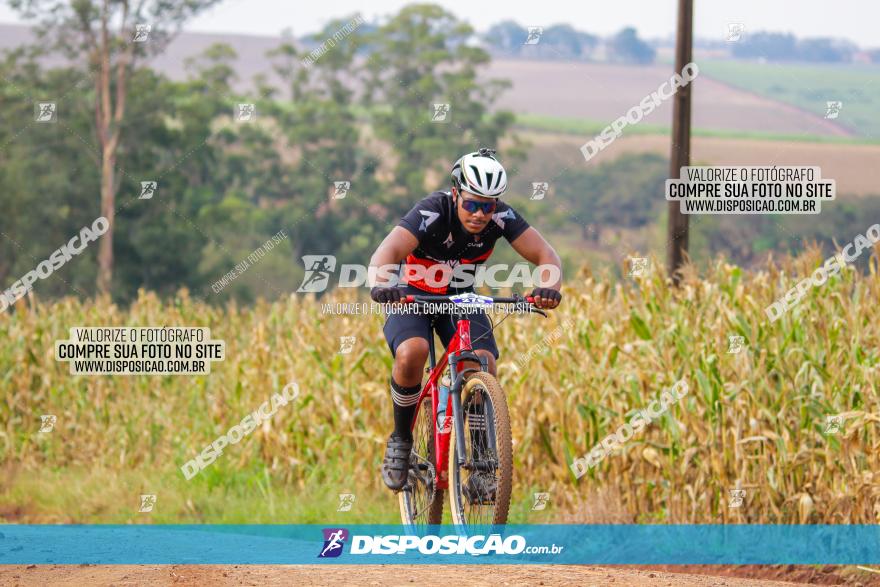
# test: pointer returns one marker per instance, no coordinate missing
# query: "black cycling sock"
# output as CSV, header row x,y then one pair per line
x,y
404,399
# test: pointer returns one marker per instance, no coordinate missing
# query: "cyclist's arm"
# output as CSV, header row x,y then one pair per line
x,y
533,248
397,245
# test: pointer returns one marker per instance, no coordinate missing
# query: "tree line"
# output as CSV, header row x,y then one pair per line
x,y
221,183
196,176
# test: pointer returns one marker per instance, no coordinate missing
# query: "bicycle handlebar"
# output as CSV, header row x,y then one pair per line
x,y
420,298
516,299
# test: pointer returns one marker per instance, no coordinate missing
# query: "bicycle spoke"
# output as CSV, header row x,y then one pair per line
x,y
420,492
482,461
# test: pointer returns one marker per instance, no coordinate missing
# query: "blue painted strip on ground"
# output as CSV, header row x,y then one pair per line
x,y
574,544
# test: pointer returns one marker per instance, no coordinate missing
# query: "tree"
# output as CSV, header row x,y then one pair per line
x,y
825,50
622,192
506,37
320,131
111,35
558,42
424,56
43,174
626,47
771,46
571,43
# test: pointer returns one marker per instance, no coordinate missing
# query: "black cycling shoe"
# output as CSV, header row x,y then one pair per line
x,y
395,466
480,488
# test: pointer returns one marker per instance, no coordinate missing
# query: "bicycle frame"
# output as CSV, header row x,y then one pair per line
x,y
458,350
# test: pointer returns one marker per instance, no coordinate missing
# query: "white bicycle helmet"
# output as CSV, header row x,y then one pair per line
x,y
480,173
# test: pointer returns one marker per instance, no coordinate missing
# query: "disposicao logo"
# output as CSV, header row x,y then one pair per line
x,y
334,539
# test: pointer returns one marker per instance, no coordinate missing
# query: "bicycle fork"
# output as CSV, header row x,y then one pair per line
x,y
460,449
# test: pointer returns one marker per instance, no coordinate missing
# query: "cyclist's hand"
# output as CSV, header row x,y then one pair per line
x,y
386,295
544,297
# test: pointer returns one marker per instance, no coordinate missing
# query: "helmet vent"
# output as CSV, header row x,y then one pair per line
x,y
477,175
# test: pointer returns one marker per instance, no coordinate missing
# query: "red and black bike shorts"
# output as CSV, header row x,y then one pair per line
x,y
402,326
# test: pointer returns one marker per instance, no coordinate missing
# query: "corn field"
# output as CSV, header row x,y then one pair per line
x,y
753,420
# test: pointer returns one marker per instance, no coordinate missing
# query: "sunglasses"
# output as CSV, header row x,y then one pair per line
x,y
471,206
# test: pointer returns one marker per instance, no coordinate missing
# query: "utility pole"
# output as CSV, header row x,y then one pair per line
x,y
677,226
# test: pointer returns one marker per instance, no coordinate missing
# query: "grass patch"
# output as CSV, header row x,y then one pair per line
x,y
809,86
590,128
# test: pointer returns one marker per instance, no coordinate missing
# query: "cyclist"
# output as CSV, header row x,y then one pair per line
x,y
452,227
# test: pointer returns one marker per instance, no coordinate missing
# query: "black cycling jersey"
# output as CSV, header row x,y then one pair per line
x,y
442,238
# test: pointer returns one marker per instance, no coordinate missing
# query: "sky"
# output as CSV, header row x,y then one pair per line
x,y
855,20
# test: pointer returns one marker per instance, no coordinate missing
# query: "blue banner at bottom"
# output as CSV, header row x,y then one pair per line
x,y
384,544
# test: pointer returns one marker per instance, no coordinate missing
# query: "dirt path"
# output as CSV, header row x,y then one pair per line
x,y
360,575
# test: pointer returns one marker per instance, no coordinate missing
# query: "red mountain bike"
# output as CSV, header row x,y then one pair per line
x,y
464,407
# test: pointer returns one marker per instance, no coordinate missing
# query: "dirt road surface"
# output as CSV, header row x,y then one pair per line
x,y
360,575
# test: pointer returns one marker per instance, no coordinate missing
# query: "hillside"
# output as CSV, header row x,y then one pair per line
x,y
591,91
605,92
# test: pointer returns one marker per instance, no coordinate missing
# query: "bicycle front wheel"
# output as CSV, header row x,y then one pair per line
x,y
479,488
